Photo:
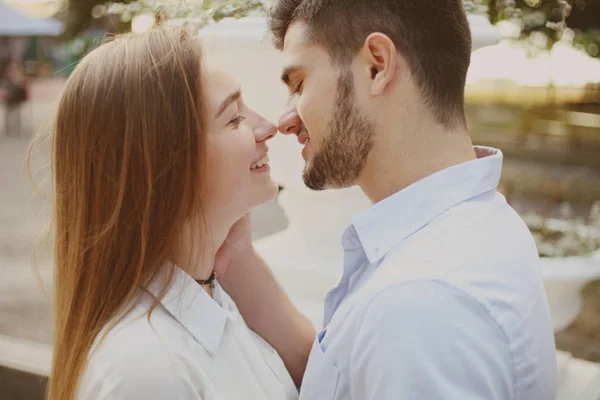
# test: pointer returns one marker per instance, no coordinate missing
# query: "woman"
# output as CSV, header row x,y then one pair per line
x,y
155,158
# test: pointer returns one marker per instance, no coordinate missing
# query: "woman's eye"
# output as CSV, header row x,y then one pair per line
x,y
236,121
298,87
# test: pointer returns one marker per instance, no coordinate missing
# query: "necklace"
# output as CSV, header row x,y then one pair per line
x,y
210,281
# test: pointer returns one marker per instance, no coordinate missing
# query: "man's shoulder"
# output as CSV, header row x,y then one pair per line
x,y
497,266
424,334
425,302
427,318
428,299
430,318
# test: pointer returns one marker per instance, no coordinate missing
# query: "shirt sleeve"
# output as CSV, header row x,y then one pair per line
x,y
429,341
150,376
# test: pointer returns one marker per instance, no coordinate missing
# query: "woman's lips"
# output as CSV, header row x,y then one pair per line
x,y
259,164
264,168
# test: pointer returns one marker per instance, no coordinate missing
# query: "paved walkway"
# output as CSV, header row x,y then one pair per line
x,y
25,310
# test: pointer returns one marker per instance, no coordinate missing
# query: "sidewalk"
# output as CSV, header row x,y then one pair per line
x,y
39,109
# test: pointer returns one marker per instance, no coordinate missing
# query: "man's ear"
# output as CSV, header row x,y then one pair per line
x,y
381,56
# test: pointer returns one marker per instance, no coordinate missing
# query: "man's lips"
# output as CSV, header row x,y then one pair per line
x,y
303,138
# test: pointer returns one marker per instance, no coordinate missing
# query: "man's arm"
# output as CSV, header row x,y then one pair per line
x,y
429,341
262,302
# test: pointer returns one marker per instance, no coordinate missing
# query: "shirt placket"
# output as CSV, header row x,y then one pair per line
x,y
354,259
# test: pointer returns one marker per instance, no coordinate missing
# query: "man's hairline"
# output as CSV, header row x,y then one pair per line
x,y
341,68
337,63
311,41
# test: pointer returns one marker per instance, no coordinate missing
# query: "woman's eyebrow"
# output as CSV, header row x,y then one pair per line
x,y
227,102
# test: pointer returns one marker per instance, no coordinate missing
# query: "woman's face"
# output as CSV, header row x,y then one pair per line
x,y
238,173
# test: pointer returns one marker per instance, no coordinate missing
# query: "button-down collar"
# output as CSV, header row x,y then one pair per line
x,y
195,310
384,225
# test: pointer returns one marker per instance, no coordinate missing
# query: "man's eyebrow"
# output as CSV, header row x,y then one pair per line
x,y
230,99
287,71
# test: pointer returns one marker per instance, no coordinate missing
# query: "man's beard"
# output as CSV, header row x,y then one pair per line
x,y
346,146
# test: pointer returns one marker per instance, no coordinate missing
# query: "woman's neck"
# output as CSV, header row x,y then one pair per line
x,y
196,253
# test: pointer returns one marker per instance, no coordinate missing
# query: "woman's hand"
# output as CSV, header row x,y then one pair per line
x,y
262,302
235,249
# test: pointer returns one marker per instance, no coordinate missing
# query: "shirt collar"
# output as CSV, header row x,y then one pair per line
x,y
194,309
384,225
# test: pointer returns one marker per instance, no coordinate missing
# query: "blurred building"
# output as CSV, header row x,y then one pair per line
x,y
28,41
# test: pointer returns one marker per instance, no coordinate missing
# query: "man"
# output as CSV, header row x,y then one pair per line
x,y
441,295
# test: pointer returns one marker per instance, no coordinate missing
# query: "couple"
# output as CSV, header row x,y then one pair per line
x,y
158,161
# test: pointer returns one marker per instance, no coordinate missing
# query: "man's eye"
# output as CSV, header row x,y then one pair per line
x,y
298,87
236,121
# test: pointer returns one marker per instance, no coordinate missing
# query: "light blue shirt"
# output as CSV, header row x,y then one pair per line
x,y
441,298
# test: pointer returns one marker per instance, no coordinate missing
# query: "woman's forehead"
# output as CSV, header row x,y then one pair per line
x,y
218,82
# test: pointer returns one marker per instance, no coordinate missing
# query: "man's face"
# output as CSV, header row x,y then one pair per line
x,y
323,113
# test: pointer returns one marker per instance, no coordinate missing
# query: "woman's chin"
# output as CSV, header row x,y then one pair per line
x,y
266,193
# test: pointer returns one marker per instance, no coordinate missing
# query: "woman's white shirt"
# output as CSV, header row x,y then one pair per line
x,y
194,347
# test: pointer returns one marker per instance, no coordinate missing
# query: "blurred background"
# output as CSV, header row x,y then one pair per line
x,y
535,95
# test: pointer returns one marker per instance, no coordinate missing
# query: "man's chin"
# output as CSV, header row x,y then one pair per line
x,y
319,181
310,179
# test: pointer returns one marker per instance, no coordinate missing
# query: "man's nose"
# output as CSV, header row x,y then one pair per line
x,y
290,122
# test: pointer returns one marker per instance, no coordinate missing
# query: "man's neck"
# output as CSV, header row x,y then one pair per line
x,y
396,163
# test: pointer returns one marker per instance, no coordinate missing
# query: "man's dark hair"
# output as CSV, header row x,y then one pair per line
x,y
433,36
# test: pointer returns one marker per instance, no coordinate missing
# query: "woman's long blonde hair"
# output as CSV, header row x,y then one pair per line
x,y
127,155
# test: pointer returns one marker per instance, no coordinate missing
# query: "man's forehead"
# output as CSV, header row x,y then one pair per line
x,y
298,50
296,37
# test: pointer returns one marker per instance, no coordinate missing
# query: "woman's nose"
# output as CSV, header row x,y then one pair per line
x,y
265,131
